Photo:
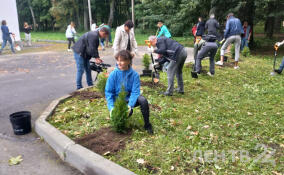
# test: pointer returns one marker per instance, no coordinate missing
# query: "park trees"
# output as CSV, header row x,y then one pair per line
x,y
178,15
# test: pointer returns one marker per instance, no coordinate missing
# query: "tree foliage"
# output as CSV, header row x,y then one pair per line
x,y
178,15
120,112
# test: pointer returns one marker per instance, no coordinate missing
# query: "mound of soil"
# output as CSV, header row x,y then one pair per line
x,y
104,141
155,107
150,84
86,95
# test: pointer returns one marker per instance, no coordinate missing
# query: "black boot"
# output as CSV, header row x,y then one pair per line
x,y
278,71
149,129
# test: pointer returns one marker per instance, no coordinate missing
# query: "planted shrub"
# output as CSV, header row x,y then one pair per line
x,y
146,61
246,52
119,113
232,51
218,55
101,83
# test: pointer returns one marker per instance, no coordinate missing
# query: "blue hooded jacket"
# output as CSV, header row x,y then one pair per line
x,y
131,81
5,32
233,27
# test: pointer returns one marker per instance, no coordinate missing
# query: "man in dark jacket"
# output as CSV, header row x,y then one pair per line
x,y
85,49
177,54
212,25
200,27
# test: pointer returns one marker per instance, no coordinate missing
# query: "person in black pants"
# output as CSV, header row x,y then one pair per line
x,y
70,34
124,75
209,48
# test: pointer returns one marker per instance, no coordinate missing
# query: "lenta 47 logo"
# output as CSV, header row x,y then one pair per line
x,y
214,156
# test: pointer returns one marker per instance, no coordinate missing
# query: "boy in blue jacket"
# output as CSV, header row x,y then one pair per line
x,y
6,36
124,75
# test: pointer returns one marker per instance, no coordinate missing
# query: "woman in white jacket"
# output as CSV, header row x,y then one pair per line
x,y
70,34
125,38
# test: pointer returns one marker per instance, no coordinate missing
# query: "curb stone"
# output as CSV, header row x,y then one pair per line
x,y
76,155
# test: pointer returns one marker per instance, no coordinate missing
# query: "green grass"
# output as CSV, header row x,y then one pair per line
x,y
188,41
235,110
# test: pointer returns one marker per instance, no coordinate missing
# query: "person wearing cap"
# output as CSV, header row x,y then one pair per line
x,y
85,49
232,34
125,38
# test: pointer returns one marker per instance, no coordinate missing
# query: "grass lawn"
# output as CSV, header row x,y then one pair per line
x,y
188,41
233,111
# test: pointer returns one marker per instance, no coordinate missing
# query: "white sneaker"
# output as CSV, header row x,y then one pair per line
x,y
69,50
236,67
220,63
211,75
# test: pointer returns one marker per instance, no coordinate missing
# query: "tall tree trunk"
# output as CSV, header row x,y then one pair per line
x,y
250,9
33,16
111,12
76,6
270,20
86,24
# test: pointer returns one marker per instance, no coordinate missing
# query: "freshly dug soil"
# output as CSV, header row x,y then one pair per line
x,y
151,85
104,141
155,107
86,95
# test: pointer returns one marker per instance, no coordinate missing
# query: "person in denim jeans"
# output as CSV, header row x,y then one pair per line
x,y
233,32
279,71
6,37
85,49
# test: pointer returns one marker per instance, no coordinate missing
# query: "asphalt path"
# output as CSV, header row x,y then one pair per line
x,y
30,81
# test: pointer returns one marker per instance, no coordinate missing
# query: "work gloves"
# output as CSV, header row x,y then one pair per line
x,y
130,112
150,49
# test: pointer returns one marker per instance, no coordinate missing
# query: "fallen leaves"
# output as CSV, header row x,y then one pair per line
x,y
189,127
15,160
140,161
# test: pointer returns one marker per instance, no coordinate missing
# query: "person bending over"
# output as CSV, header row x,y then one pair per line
x,y
177,55
209,47
124,75
85,49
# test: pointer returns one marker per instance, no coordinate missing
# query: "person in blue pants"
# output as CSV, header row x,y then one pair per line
x,y
6,36
279,71
85,49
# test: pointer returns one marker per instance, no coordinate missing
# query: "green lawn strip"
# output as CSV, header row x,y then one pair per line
x,y
235,110
186,41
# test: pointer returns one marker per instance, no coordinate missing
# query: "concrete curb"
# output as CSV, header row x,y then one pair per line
x,y
76,155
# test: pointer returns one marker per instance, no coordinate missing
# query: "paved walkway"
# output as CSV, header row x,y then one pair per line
x,y
30,81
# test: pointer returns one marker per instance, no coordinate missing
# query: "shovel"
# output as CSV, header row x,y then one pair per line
x,y
193,72
155,73
274,62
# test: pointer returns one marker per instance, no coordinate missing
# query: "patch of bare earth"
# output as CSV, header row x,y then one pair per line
x,y
86,95
105,141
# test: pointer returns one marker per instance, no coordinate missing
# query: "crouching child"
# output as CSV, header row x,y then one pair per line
x,y
124,75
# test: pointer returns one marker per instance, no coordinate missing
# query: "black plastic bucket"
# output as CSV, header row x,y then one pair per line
x,y
21,122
